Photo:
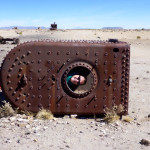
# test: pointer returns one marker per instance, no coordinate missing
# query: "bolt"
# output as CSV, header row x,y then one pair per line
x,y
10,69
29,105
29,52
23,56
39,61
11,88
39,52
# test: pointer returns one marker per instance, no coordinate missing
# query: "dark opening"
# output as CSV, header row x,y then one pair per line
x,y
115,50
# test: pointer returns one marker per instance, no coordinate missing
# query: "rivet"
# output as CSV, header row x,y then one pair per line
x,y
32,61
67,53
77,106
33,96
77,53
39,88
21,88
105,89
30,78
114,97
114,89
86,106
67,105
104,97
13,65
11,88
19,75
29,105
115,63
122,95
49,96
58,105
23,100
16,59
17,99
29,52
48,61
115,55
96,54
39,61
30,70
58,88
10,69
40,105
96,61
31,87
68,60
49,52
20,62
28,94
95,106
104,106
49,88
39,52
14,93
58,97
105,62
58,52
115,71
39,70
20,69
106,54
105,71
23,56
40,96
58,62
86,53
124,56
28,63
9,82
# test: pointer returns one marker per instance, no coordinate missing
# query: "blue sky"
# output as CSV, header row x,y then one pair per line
x,y
70,14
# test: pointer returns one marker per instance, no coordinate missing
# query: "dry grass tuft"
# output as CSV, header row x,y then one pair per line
x,y
113,114
127,119
138,37
6,110
44,114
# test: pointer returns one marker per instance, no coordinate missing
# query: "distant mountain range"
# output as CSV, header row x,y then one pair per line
x,y
112,28
33,27
22,27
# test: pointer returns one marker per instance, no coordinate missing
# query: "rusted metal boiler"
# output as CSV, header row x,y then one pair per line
x,y
34,76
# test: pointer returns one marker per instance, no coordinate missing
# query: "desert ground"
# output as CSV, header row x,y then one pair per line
x,y
21,132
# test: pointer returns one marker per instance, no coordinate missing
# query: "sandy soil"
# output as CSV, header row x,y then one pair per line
x,y
22,133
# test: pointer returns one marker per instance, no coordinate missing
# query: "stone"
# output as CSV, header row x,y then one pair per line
x,y
145,142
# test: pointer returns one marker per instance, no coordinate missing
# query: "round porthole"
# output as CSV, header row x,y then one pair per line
x,y
79,79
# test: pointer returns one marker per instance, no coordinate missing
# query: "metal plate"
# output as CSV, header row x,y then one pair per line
x,y
33,76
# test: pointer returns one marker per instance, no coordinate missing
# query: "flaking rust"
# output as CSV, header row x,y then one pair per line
x,y
34,74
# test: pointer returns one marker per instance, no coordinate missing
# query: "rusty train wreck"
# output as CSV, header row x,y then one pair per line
x,y
33,76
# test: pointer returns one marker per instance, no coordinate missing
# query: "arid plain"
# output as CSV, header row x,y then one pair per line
x,y
21,132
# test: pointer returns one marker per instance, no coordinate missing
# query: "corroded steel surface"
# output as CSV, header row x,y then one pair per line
x,y
33,76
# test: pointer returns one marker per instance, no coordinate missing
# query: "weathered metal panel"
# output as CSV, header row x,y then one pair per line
x,y
34,76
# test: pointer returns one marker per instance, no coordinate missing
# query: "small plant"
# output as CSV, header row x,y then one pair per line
x,y
127,118
44,114
113,114
20,33
6,110
138,37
